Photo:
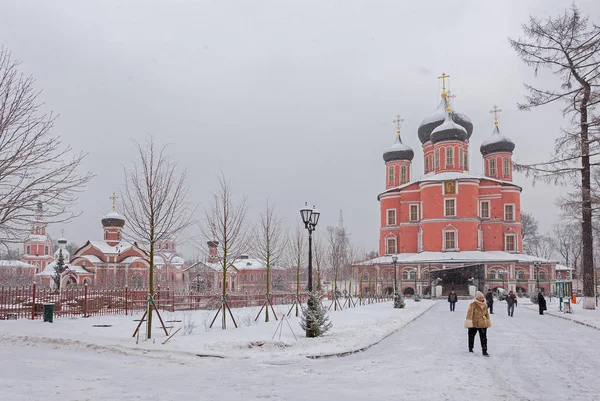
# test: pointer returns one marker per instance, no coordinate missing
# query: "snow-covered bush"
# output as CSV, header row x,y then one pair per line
x,y
399,301
417,297
189,323
314,317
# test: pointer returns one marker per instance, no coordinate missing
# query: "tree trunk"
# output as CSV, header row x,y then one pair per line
x,y
150,286
268,287
297,286
224,294
587,240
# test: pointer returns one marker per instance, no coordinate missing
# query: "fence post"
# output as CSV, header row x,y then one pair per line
x,y
126,298
33,302
85,293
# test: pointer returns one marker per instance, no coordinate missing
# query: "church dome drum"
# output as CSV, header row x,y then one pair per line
x,y
497,143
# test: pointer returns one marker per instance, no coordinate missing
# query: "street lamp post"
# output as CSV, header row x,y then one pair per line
x,y
310,217
395,261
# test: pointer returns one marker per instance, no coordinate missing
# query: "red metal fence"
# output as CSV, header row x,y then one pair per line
x,y
28,302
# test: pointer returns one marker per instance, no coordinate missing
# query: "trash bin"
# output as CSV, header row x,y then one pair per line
x,y
48,312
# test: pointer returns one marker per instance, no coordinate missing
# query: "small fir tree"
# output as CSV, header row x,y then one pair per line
x,y
399,301
534,296
314,317
59,268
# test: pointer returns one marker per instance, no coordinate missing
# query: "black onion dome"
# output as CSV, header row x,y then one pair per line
x,y
398,151
448,131
113,219
436,119
497,143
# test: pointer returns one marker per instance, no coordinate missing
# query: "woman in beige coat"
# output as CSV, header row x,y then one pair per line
x,y
478,320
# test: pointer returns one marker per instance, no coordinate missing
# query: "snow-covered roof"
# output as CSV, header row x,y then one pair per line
x,y
49,270
447,176
108,249
92,258
37,237
253,264
131,259
563,267
448,124
13,263
457,257
112,215
439,115
178,260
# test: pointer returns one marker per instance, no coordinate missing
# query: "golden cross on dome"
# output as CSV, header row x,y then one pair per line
x,y
398,121
494,112
449,97
443,78
114,199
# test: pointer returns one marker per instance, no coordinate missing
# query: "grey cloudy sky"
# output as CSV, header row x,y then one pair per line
x,y
292,100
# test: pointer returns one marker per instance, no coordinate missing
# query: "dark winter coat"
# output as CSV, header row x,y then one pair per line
x,y
452,297
511,299
478,316
541,301
489,298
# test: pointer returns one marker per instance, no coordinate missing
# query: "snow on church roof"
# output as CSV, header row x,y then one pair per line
x,y
447,176
456,257
13,263
108,249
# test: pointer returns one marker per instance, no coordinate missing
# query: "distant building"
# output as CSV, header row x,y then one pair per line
x,y
37,249
16,273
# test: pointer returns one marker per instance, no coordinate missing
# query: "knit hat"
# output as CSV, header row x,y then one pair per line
x,y
479,294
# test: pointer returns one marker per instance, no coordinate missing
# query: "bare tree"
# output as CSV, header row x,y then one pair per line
x,y
297,256
319,255
529,230
11,254
567,238
225,226
566,46
35,166
542,246
269,245
154,203
338,245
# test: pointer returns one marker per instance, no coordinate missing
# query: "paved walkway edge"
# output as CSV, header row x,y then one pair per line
x,y
366,347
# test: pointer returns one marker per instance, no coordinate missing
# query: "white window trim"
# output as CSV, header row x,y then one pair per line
x,y
466,160
403,169
455,231
436,159
426,163
387,247
514,211
455,207
490,167
505,167
387,218
410,206
391,169
514,235
489,216
460,157
451,148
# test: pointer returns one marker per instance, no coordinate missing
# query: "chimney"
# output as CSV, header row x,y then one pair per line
x,y
212,251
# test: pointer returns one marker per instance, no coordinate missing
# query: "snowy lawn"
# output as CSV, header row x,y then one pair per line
x,y
353,329
586,317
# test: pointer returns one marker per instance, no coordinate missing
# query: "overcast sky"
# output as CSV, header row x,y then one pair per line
x,y
292,100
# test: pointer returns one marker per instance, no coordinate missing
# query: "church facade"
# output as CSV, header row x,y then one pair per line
x,y
451,218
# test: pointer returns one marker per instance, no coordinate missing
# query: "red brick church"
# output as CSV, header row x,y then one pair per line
x,y
449,218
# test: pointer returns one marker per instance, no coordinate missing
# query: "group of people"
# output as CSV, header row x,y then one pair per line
x,y
478,315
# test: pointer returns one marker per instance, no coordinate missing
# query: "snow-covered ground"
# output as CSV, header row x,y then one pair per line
x,y
353,329
532,358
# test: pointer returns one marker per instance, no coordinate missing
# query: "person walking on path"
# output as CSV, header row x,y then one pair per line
x,y
452,298
478,321
541,303
489,298
511,301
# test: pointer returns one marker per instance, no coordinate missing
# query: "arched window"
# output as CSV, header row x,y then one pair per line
x,y
403,177
426,274
391,174
390,246
412,274
492,167
28,250
105,234
520,275
405,275
46,250
436,159
492,275
466,161
450,157
542,275
426,164
506,167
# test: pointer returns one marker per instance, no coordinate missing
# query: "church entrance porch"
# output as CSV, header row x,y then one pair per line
x,y
458,279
